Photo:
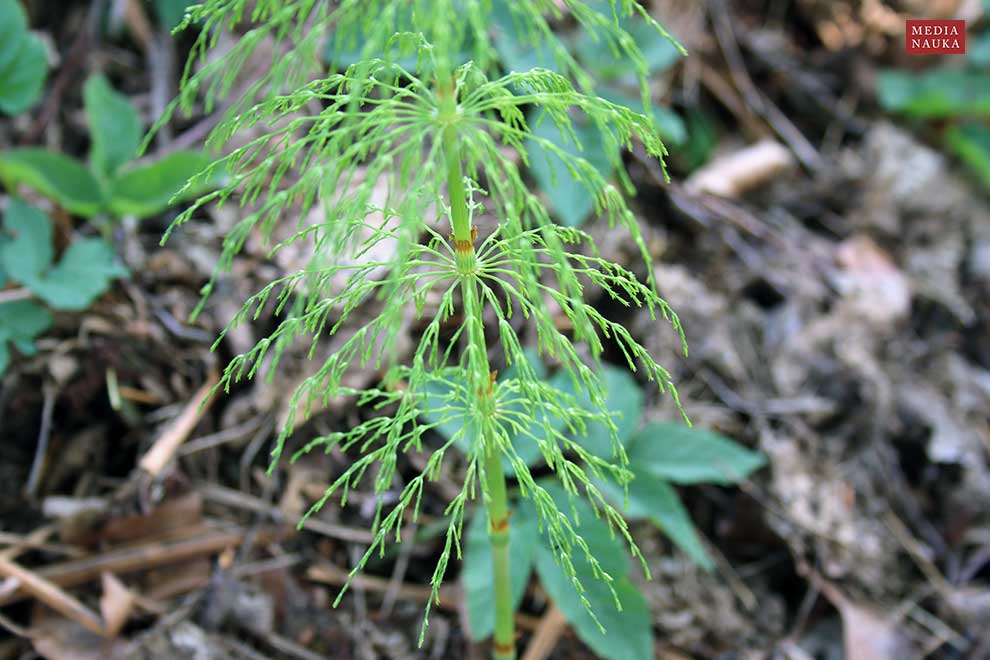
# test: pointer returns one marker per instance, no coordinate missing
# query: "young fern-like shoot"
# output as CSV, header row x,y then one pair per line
x,y
436,137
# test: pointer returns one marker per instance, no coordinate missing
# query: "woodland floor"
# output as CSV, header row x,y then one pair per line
x,y
837,305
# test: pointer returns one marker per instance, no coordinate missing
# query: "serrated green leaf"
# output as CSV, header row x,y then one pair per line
x,y
114,126
145,190
82,276
651,498
23,62
476,571
21,322
58,177
936,93
971,142
690,455
29,252
569,198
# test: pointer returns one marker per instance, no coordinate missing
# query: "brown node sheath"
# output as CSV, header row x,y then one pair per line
x,y
504,649
465,246
500,525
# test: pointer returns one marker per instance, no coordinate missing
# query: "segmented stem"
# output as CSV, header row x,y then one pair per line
x,y
483,382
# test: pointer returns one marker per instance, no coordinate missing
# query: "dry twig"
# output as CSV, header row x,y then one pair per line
x,y
168,443
49,593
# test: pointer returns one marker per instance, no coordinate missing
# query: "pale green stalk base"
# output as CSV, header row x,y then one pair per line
x,y
498,534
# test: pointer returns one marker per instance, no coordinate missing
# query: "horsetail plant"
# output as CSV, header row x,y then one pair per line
x,y
400,149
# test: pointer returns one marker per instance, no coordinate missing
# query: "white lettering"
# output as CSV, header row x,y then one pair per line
x,y
934,31
935,44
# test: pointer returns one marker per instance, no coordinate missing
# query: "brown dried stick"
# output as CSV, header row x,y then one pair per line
x,y
50,594
126,560
733,174
552,626
168,443
240,500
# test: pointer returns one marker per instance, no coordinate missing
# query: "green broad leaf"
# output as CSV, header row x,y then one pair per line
x,y
145,190
171,12
441,395
345,45
29,252
702,138
82,276
669,124
971,142
13,25
688,455
628,633
23,62
608,548
570,199
114,125
525,446
658,51
935,93
26,347
446,405
21,82
978,50
476,571
651,498
624,400
3,272
58,177
21,322
516,49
